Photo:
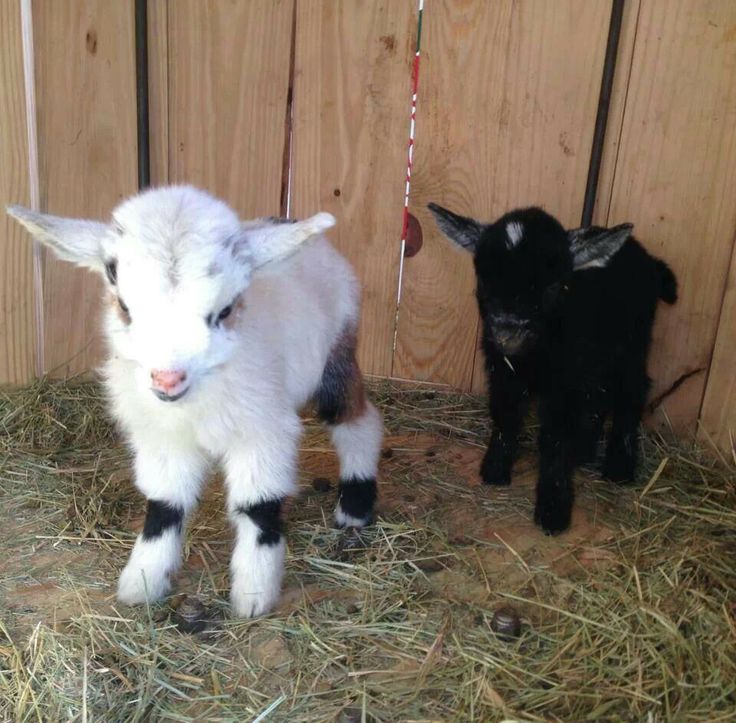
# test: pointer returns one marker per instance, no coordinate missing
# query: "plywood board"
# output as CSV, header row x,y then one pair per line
x,y
18,343
675,178
85,91
228,80
350,133
718,414
507,99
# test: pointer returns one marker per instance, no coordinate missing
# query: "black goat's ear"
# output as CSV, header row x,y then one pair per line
x,y
463,231
593,248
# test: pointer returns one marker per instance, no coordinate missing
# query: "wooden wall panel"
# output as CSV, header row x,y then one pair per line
x,y
350,132
718,414
17,324
228,76
507,100
675,178
85,92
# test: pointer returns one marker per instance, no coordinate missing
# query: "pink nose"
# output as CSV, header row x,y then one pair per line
x,y
166,380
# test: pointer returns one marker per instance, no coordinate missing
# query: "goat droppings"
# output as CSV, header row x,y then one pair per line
x,y
506,623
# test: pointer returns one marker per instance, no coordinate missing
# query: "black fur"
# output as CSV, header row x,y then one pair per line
x,y
267,515
334,397
566,316
357,497
111,271
160,516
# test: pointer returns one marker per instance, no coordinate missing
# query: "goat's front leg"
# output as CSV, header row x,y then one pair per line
x,y
557,437
260,473
509,398
170,476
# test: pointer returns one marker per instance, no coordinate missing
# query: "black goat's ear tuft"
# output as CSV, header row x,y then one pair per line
x,y
593,248
463,231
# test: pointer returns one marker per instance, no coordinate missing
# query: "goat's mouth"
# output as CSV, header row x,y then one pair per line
x,y
164,397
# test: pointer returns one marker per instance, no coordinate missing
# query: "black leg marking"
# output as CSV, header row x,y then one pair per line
x,y
160,516
357,497
267,515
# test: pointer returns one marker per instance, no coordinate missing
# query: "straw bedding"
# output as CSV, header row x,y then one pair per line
x,y
631,614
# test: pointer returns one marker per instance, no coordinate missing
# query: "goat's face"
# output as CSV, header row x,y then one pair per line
x,y
177,264
523,263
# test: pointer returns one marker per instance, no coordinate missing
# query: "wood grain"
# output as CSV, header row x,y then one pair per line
x,y
228,80
718,413
85,90
350,132
675,178
507,100
18,335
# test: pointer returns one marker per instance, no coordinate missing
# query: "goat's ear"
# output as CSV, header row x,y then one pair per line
x,y
271,242
593,248
71,239
463,231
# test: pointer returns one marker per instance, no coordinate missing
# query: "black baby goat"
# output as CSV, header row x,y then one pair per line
x,y
567,316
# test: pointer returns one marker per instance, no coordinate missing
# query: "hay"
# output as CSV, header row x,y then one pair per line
x,y
630,615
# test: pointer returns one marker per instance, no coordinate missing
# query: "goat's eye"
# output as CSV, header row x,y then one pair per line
x,y
225,313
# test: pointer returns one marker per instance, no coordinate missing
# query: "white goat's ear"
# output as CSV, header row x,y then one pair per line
x,y
593,248
271,242
463,231
72,239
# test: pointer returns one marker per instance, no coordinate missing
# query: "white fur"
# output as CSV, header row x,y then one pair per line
x,y
147,576
358,445
515,232
255,571
182,256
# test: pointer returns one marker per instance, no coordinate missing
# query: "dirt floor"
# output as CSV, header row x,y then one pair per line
x,y
630,614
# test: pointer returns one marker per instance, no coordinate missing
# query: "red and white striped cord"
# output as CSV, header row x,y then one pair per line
x,y
410,155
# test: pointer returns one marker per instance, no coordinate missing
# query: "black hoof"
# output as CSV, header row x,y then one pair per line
x,y
553,519
495,473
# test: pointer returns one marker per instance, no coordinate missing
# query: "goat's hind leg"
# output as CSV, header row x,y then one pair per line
x,y
622,450
356,428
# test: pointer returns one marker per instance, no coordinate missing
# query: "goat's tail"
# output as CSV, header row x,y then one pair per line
x,y
667,283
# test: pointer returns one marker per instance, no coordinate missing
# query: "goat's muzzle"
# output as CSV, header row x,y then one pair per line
x,y
168,384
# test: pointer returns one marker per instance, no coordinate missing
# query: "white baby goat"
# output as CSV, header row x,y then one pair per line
x,y
219,332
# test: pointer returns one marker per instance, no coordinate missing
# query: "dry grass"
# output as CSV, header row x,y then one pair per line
x,y
629,615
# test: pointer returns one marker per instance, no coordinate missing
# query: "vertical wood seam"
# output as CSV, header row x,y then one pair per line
x,y
29,82
286,164
623,117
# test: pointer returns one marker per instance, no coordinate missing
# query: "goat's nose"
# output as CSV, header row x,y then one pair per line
x,y
167,379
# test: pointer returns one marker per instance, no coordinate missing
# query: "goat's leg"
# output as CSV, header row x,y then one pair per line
x,y
170,476
622,450
590,431
555,489
259,474
356,429
508,400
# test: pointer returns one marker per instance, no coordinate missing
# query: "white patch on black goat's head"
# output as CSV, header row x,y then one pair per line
x,y
178,263
514,233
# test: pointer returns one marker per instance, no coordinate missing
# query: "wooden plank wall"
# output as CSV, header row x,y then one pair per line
x,y
228,82
350,129
17,290
674,176
86,108
303,105
507,101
